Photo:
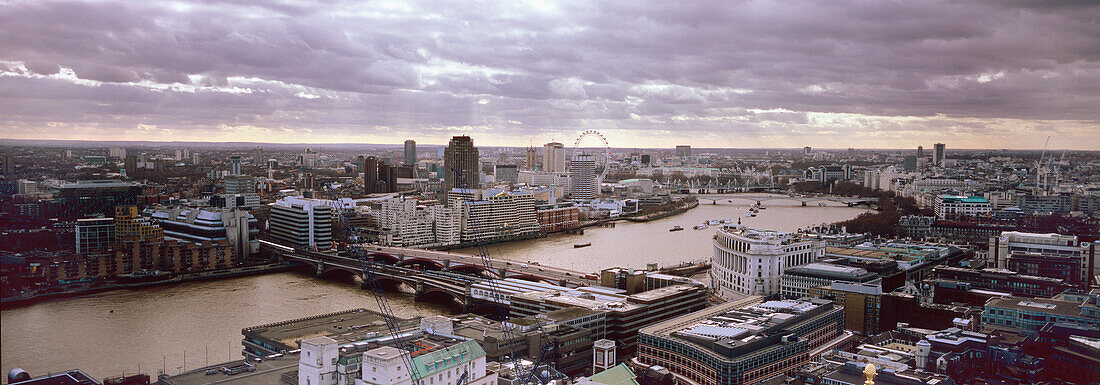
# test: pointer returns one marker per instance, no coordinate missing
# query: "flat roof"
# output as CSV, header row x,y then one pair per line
x,y
267,372
1051,306
346,326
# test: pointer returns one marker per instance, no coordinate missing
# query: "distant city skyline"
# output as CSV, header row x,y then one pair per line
x,y
645,74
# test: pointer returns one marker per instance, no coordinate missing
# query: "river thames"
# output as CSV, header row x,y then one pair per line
x,y
153,329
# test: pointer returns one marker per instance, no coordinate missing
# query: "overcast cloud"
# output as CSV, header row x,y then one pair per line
x,y
999,74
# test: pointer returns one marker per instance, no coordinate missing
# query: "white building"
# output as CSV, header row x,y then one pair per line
x,y
582,178
444,359
1002,248
954,206
751,261
317,365
301,222
408,222
493,213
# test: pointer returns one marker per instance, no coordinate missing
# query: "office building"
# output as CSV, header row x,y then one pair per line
x,y
130,226
861,302
953,284
494,214
96,197
799,281
1048,255
301,223
94,234
741,342
24,186
939,156
751,262
1028,315
240,184
920,152
308,159
553,157
410,152
370,174
683,151
234,226
506,173
625,313
117,152
7,164
954,206
460,163
235,165
558,217
829,173
582,178
910,163
806,150
247,201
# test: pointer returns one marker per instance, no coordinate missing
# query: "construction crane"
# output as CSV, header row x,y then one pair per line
x,y
509,335
1039,172
392,326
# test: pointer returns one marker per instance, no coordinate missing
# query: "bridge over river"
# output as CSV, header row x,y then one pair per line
x,y
430,273
760,198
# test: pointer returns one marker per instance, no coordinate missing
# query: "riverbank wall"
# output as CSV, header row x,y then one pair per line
x,y
25,300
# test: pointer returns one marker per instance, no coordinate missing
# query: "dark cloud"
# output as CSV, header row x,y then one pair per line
x,y
704,66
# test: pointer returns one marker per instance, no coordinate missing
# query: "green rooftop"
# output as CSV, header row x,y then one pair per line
x,y
618,375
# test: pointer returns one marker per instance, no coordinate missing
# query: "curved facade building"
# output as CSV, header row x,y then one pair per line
x,y
750,261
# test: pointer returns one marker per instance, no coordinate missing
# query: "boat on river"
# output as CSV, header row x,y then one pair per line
x,y
676,228
580,245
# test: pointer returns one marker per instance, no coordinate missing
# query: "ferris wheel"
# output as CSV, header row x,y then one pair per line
x,y
604,164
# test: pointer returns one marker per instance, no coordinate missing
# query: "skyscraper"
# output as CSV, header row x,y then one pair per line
x,y
939,155
920,152
235,165
683,150
531,158
582,177
370,174
410,152
553,157
460,157
806,150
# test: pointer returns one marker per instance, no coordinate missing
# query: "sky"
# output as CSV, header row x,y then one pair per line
x,y
644,73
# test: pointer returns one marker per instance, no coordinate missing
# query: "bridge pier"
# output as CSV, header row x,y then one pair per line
x,y
320,268
803,203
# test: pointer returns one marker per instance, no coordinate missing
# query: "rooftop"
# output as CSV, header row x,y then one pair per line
x,y
1051,306
344,327
963,199
266,372
97,184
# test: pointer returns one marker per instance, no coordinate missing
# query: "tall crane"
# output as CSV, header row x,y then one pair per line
x,y
509,335
1039,169
392,326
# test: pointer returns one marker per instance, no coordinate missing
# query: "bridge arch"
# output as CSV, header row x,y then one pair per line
x,y
424,263
386,258
441,296
339,273
472,270
532,278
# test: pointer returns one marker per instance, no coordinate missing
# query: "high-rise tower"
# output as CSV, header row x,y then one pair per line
x,y
553,157
582,177
410,152
460,156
